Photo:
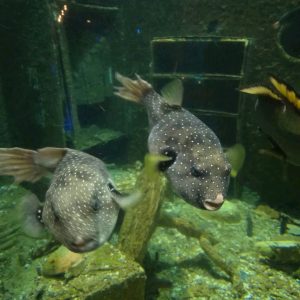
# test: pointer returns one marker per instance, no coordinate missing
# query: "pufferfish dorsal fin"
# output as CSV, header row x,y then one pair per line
x,y
261,90
173,93
286,91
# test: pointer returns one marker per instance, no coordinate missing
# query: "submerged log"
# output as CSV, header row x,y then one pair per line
x,y
140,221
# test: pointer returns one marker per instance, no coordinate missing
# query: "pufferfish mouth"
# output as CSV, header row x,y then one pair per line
x,y
81,246
215,204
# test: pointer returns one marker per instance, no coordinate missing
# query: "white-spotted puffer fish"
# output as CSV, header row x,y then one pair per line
x,y
198,170
81,205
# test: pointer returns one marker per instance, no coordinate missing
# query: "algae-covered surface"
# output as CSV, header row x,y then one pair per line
x,y
177,265
105,273
17,269
236,229
140,221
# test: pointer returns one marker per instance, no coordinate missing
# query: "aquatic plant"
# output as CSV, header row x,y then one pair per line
x,y
140,221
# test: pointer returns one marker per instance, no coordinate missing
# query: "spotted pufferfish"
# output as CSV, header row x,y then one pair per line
x,y
81,205
198,169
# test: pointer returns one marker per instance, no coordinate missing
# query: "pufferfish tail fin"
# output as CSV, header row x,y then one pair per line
x,y
132,90
29,165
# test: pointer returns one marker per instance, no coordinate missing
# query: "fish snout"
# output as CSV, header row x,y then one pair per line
x,y
214,204
83,245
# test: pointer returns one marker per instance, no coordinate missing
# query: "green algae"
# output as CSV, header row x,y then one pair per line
x,y
140,221
105,273
284,251
205,239
195,272
178,252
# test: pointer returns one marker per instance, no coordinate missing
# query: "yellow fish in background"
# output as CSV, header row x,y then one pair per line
x,y
236,157
277,111
286,92
281,91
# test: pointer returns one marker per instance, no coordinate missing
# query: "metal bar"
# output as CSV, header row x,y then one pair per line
x,y
215,113
199,39
200,76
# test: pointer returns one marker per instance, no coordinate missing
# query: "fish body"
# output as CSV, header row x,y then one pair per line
x,y
81,205
198,170
277,111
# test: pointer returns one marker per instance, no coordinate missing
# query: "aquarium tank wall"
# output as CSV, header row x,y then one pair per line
x,y
238,65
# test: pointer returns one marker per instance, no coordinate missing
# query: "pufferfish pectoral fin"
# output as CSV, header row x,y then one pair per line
x,y
49,157
29,165
150,171
31,216
127,201
173,93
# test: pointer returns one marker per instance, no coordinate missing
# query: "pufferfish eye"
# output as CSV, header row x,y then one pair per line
x,y
198,172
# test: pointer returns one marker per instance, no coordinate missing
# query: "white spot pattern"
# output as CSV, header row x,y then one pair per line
x,y
79,208
200,170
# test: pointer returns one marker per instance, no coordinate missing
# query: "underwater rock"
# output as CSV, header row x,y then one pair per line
x,y
105,273
206,241
293,229
267,210
281,251
289,225
196,266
